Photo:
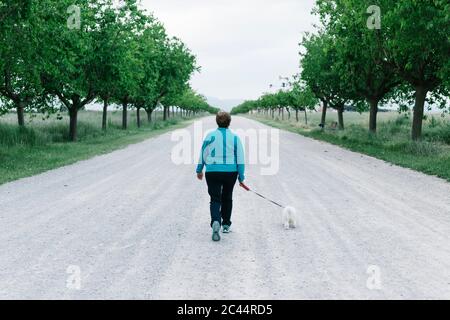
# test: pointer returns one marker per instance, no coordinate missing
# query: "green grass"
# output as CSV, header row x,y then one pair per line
x,y
43,144
392,143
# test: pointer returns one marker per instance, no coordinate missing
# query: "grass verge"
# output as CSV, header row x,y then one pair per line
x,y
41,147
391,144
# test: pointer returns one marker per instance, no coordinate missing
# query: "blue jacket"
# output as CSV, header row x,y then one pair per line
x,y
222,151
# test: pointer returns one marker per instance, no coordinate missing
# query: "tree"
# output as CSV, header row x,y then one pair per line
x,y
315,64
283,101
109,50
174,64
130,64
359,53
69,57
322,73
245,107
302,99
418,48
191,101
19,64
87,50
151,49
178,67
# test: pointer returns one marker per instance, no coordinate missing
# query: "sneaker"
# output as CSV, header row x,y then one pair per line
x,y
226,229
216,231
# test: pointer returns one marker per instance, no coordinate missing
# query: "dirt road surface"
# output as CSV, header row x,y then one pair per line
x,y
132,224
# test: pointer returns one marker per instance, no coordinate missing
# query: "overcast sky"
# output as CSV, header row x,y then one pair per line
x,y
242,46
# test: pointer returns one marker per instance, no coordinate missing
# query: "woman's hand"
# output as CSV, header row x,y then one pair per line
x,y
200,176
243,185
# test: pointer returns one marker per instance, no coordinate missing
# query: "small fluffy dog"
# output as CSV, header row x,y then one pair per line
x,y
289,218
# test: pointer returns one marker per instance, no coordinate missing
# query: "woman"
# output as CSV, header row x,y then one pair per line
x,y
223,155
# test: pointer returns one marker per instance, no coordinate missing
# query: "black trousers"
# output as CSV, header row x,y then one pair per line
x,y
220,188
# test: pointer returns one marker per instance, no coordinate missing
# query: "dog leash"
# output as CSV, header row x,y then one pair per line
x,y
261,196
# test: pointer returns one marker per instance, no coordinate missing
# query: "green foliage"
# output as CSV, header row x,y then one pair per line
x,y
176,70
245,107
19,62
192,101
298,98
322,70
78,52
68,53
347,65
359,57
302,97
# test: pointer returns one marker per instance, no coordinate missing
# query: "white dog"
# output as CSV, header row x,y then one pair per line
x,y
289,218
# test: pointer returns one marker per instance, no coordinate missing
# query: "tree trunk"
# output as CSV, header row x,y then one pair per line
x,y
373,115
165,113
73,115
105,113
421,95
20,106
289,113
296,115
340,111
149,115
138,117
306,117
324,114
125,115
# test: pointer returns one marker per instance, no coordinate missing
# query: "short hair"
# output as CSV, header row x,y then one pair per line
x,y
223,119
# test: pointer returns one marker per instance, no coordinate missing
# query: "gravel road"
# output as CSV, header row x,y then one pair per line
x,y
134,225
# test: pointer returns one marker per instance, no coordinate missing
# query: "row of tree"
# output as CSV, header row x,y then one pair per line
x,y
298,98
367,52
77,52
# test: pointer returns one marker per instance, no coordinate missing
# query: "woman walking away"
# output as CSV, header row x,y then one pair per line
x,y
223,155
